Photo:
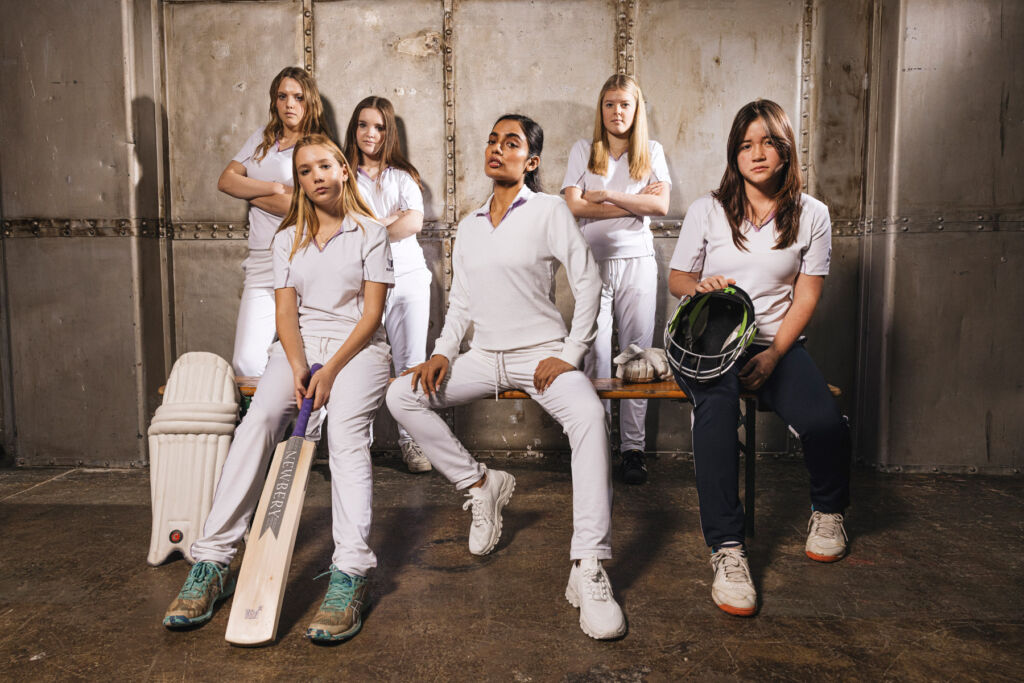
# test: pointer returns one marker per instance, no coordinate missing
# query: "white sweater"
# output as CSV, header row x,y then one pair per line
x,y
504,280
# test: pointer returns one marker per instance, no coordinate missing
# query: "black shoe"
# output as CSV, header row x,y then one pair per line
x,y
632,468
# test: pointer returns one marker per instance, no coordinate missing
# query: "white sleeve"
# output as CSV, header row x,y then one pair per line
x,y
249,148
688,256
282,249
457,319
378,265
818,254
410,197
568,246
659,165
576,170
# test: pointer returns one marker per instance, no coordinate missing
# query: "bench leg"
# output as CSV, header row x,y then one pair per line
x,y
749,451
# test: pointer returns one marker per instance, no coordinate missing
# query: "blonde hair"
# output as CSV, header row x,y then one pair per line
x,y
639,152
313,120
302,212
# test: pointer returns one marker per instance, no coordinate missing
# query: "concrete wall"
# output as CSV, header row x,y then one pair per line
x,y
119,254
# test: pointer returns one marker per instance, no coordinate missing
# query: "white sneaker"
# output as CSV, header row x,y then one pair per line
x,y
413,457
487,502
826,537
733,590
589,589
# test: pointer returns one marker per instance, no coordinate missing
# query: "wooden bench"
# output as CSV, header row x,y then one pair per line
x,y
616,389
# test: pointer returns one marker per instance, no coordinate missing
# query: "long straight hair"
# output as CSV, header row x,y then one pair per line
x,y
313,120
534,135
390,150
731,192
639,152
302,212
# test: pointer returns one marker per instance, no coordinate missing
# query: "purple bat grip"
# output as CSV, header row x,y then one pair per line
x,y
307,408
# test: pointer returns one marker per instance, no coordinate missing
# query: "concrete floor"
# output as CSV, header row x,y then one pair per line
x,y
932,589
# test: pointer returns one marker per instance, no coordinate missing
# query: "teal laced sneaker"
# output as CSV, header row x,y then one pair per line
x,y
340,615
207,584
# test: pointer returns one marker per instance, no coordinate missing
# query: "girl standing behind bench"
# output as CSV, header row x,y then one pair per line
x,y
613,184
261,173
332,270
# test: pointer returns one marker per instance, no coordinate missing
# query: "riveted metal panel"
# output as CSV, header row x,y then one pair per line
x,y
67,154
698,63
207,289
957,391
73,351
961,116
838,98
354,41
221,58
539,59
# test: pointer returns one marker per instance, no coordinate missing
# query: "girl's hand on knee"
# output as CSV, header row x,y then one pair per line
x,y
713,283
758,369
429,374
547,370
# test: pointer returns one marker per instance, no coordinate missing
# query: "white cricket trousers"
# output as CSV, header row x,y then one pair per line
x,y
570,399
256,326
629,296
355,397
406,319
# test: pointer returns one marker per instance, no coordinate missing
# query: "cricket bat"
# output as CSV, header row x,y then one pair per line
x,y
256,605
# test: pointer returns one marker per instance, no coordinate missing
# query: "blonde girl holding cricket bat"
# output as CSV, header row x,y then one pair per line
x,y
332,271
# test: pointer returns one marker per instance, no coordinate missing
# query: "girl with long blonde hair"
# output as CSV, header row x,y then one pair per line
x,y
613,184
261,174
332,270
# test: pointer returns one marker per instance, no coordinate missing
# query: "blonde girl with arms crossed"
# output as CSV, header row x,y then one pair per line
x,y
261,174
332,270
613,184
391,187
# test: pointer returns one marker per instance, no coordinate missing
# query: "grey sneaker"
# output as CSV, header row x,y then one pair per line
x,y
207,584
733,589
413,457
591,591
826,537
341,613
486,502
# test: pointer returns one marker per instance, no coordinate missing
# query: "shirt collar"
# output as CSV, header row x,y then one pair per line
x,y
524,195
347,225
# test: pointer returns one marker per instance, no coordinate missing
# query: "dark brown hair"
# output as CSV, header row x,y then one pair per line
x,y
390,151
731,193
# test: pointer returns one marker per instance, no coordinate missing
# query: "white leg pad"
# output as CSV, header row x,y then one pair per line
x,y
188,443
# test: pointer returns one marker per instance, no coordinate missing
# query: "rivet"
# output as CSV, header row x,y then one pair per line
x,y
940,226
309,48
981,227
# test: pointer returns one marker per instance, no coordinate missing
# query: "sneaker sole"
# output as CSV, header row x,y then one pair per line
x,y
573,599
416,468
176,622
504,496
824,558
321,636
736,611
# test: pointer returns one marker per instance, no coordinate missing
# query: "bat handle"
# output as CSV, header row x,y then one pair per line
x,y
307,407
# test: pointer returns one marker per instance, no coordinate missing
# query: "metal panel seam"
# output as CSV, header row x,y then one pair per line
x,y
625,38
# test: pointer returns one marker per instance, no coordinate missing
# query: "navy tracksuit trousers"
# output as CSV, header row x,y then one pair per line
x,y
797,392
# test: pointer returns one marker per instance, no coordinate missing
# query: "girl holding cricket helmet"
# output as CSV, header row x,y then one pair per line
x,y
261,173
613,184
391,187
332,270
758,232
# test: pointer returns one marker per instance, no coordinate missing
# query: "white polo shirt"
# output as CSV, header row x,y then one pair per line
x,y
275,167
394,190
766,274
504,280
626,237
329,282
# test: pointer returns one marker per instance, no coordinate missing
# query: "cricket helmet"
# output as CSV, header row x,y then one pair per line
x,y
709,332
